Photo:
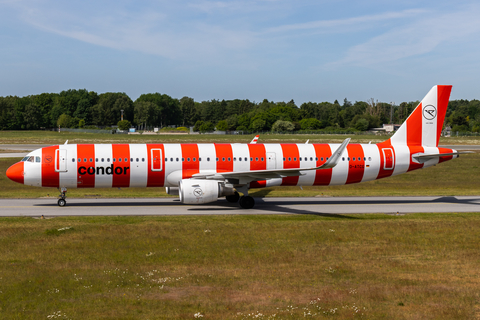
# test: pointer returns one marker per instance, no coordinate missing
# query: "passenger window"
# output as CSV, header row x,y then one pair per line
x,y
262,159
171,159
240,159
143,159
177,159
321,159
91,160
137,160
73,159
343,158
79,160
103,159
119,159
289,159
126,160
284,159
251,159
216,159
188,159
369,158
223,159
108,159
131,159
166,159
295,159
311,159
208,159
183,159
194,159
96,159
229,159
316,159
85,160
199,159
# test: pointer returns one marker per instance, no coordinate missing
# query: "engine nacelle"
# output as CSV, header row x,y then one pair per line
x,y
196,191
173,191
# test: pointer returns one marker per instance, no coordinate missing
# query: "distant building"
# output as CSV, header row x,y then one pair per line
x,y
389,128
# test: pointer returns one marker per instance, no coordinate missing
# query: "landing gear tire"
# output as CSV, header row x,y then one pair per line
x,y
62,202
233,198
246,202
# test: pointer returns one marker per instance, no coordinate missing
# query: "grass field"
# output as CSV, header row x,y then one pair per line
x,y
418,266
52,137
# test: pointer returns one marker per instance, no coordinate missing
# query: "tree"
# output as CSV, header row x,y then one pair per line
x,y
361,124
282,126
124,124
222,125
207,127
258,124
310,124
64,121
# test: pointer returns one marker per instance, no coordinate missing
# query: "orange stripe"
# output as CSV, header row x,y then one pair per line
x,y
382,173
443,94
86,151
355,168
189,168
224,154
257,151
323,176
414,127
155,178
292,160
50,178
121,178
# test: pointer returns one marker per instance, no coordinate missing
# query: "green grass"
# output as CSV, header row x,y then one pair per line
x,y
419,266
52,137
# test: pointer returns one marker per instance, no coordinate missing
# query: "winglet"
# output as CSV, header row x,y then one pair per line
x,y
254,140
332,162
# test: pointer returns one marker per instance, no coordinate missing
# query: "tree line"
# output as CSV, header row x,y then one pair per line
x,y
88,109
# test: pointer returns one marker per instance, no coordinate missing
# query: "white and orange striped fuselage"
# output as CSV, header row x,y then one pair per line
x,y
164,165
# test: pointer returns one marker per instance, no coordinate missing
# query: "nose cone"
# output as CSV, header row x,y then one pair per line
x,y
16,172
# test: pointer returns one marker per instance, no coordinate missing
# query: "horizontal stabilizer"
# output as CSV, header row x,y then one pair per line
x,y
424,157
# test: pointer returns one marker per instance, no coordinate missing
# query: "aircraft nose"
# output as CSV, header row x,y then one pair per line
x,y
16,172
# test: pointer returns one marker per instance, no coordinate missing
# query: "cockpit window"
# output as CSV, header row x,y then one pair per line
x,y
24,159
31,159
37,159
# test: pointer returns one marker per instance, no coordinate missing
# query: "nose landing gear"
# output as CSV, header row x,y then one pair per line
x,y
62,202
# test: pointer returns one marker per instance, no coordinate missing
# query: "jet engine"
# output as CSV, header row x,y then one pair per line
x,y
196,191
173,191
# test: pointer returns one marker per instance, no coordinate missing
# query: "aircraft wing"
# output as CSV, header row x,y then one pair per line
x,y
245,177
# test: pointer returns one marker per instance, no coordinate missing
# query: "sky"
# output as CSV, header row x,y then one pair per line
x,y
323,50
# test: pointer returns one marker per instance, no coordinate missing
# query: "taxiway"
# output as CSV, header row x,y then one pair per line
x,y
171,206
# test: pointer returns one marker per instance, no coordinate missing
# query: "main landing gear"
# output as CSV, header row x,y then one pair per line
x,y
62,202
245,201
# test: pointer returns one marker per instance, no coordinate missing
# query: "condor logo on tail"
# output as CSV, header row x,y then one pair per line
x,y
102,170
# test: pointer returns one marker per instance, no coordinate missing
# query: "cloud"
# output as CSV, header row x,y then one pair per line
x,y
421,36
338,25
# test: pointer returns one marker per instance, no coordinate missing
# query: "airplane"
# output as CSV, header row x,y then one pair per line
x,y
202,173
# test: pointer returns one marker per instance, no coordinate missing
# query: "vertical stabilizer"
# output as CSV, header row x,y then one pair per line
x,y
424,125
